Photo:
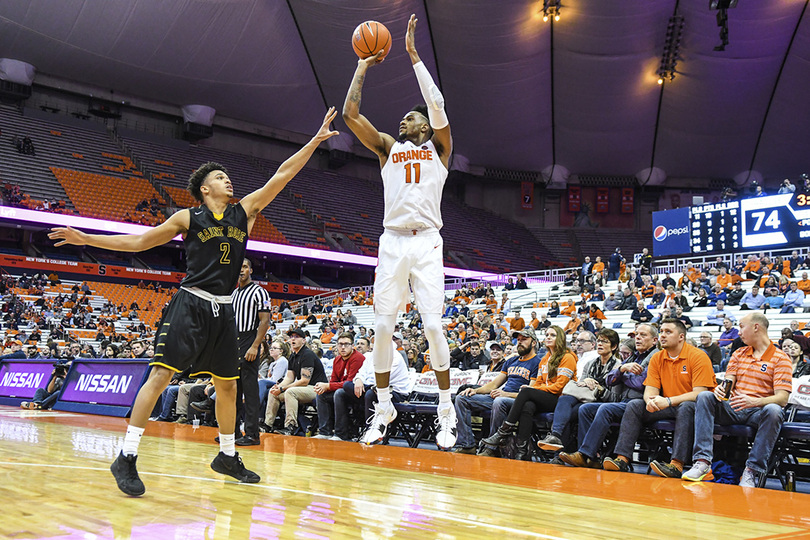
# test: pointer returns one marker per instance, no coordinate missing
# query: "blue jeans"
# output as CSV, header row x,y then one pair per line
x,y
45,399
465,406
709,411
566,408
636,415
167,400
594,424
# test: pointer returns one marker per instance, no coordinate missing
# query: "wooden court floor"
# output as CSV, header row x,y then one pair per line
x,y
55,483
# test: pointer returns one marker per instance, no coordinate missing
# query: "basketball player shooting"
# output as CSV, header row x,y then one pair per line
x,y
414,168
198,329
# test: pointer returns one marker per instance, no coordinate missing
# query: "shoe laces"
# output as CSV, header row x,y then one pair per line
x,y
445,421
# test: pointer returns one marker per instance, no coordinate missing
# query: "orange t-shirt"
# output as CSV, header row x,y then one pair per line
x,y
679,376
566,371
752,266
598,268
568,310
572,325
517,324
724,280
535,323
804,285
598,314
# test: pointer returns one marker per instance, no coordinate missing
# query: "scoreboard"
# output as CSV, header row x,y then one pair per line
x,y
776,221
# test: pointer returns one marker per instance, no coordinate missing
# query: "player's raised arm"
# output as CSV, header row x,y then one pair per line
x,y
432,96
178,223
256,201
376,141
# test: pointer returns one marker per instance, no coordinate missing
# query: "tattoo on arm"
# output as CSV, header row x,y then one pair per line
x,y
354,97
306,373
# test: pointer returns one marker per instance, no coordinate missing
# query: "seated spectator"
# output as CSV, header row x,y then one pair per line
x,y
667,394
711,349
598,294
799,365
804,342
499,394
510,285
794,299
347,363
729,333
534,322
573,324
724,279
717,295
611,304
701,299
468,356
593,376
585,348
668,282
585,324
773,301
761,379
736,295
659,297
753,268
517,323
303,372
44,398
521,284
718,314
752,300
628,301
569,308
553,310
641,314
681,316
556,368
625,383
273,367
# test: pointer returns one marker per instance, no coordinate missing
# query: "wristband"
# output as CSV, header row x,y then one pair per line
x,y
669,401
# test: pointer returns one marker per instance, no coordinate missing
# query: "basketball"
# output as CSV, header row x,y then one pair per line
x,y
369,38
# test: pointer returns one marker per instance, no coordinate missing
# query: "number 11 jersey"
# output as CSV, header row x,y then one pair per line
x,y
413,180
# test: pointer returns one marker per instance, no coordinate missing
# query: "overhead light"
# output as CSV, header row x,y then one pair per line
x,y
672,46
551,8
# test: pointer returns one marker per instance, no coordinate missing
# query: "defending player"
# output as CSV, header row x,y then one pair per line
x,y
198,328
414,169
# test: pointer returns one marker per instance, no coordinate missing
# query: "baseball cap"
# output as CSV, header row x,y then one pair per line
x,y
297,332
496,345
17,342
527,331
398,335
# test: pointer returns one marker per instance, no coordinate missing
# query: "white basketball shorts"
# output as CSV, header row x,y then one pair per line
x,y
404,256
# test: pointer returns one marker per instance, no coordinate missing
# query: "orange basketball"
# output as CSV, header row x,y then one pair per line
x,y
369,38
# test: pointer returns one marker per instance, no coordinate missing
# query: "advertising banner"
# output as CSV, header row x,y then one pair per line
x,y
20,378
671,232
97,382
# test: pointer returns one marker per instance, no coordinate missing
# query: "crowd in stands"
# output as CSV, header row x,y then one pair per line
x,y
13,196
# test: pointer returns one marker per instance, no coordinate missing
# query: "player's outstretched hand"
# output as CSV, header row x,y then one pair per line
x,y
410,45
325,133
375,59
67,235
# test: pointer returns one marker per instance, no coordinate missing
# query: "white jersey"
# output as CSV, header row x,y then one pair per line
x,y
413,180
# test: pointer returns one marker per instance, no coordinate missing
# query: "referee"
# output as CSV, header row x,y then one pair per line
x,y
251,305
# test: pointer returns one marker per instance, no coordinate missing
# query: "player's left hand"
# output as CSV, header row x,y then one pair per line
x,y
741,401
67,235
410,45
326,133
251,353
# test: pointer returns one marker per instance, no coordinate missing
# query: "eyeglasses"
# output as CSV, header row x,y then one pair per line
x,y
584,340
604,341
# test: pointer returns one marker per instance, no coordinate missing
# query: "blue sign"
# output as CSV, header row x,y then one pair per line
x,y
671,232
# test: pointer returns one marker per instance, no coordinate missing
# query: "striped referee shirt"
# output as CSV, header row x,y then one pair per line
x,y
248,301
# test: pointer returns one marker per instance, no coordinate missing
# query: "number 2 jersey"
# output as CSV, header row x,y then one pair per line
x,y
215,249
413,180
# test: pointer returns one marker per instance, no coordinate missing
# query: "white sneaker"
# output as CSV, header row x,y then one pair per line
x,y
749,478
378,424
446,432
335,438
319,436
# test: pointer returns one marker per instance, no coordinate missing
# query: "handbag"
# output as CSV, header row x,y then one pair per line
x,y
800,396
582,393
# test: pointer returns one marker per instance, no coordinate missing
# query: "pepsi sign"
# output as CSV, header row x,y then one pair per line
x,y
671,232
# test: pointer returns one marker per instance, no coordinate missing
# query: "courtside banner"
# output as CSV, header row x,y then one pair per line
x,y
20,378
671,232
102,386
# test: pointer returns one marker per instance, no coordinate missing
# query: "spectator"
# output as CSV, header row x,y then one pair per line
x,y
534,322
585,349
598,271
611,304
736,295
593,376
499,394
711,349
794,299
729,333
628,301
554,309
761,379
718,314
681,316
641,314
521,284
517,324
753,268
645,262
667,394
468,356
557,367
786,187
752,300
625,383
347,363
800,366
585,270
510,285
615,265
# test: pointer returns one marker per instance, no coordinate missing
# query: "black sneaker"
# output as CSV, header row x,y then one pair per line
x,y
126,475
616,464
287,430
203,406
233,466
666,470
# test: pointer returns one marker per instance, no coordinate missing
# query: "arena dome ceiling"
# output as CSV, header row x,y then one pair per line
x,y
521,93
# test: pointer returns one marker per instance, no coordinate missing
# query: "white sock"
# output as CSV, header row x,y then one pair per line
x,y
384,395
226,445
444,398
132,440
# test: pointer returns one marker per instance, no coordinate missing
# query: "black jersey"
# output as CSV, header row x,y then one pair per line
x,y
215,249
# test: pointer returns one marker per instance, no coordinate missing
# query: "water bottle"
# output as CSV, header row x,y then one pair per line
x,y
790,481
